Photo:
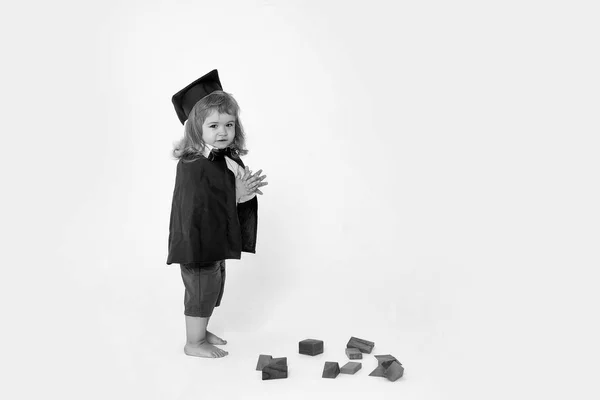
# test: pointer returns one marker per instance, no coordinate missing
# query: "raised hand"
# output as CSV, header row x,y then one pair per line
x,y
249,183
255,180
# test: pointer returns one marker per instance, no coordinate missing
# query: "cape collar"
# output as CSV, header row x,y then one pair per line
x,y
207,149
208,152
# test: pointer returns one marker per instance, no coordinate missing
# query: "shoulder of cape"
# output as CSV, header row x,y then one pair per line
x,y
192,162
191,167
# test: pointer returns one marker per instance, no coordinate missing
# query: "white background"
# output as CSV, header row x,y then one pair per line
x,y
433,187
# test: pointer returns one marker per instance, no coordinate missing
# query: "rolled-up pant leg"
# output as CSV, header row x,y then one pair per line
x,y
204,285
222,284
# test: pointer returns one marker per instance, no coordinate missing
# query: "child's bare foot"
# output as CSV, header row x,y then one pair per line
x,y
214,339
204,349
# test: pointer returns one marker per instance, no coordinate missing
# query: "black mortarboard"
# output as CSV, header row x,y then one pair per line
x,y
186,98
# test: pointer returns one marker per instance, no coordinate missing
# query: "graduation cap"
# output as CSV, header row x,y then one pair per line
x,y
186,98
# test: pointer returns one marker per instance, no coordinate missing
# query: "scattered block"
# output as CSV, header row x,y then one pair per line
x,y
310,347
386,360
280,361
363,345
331,369
276,369
263,360
394,371
379,371
386,364
351,368
354,354
389,367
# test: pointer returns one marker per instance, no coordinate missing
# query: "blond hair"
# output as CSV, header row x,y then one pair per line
x,y
191,146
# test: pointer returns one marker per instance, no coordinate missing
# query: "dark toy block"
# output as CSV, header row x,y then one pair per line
x,y
351,368
276,369
263,360
279,361
386,360
379,371
353,354
394,371
331,370
363,345
310,347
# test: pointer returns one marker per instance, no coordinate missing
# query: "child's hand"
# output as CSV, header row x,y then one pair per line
x,y
248,183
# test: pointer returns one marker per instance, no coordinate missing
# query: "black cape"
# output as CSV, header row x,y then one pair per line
x,y
206,224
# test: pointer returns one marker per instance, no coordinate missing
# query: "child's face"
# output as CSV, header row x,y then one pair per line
x,y
218,130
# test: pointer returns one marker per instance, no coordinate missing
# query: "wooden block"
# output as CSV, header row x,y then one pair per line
x,y
394,371
386,360
363,345
310,347
353,354
351,368
386,364
379,371
280,361
331,369
263,360
275,370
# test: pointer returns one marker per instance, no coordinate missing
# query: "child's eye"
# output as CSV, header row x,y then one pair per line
x,y
213,126
230,124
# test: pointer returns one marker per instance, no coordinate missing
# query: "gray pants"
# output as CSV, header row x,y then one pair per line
x,y
204,284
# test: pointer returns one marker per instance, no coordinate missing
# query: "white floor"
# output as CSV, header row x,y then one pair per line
x,y
121,343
